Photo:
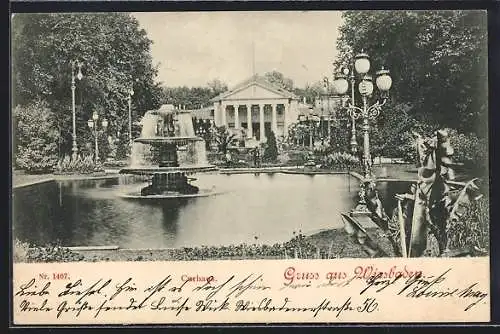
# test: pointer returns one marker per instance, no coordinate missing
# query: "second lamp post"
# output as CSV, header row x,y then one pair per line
x,y
74,64
366,112
93,125
129,100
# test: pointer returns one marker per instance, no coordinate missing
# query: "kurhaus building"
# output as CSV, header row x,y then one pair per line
x,y
257,106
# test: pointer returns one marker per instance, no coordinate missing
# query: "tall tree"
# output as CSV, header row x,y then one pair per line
x,y
438,61
217,86
223,138
310,92
278,79
115,56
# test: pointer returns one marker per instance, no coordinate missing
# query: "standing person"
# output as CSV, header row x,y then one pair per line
x,y
159,127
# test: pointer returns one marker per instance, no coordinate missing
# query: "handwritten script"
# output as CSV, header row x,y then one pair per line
x,y
310,295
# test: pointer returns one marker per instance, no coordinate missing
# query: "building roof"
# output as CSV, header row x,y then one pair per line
x,y
305,109
309,110
256,80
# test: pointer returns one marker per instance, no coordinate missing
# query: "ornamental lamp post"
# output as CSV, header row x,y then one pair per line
x,y
74,64
366,112
93,125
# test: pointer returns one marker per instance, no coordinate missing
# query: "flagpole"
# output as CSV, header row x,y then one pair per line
x,y
253,57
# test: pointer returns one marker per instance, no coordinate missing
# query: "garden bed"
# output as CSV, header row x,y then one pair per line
x,y
81,174
326,244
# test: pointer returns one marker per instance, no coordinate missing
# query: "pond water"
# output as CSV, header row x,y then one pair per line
x,y
263,208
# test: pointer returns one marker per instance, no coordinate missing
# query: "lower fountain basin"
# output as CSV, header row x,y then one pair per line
x,y
169,195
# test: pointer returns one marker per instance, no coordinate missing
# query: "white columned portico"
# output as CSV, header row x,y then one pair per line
x,y
249,121
236,116
256,92
223,111
274,120
261,122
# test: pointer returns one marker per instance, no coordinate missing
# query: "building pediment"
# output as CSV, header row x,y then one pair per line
x,y
255,91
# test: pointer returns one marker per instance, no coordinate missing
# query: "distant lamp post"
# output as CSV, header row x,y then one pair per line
x,y
75,64
341,87
326,83
94,126
316,122
129,100
366,112
302,120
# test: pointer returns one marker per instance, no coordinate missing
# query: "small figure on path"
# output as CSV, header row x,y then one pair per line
x,y
228,159
256,157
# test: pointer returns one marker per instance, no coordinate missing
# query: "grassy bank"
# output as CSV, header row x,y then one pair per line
x,y
22,179
327,244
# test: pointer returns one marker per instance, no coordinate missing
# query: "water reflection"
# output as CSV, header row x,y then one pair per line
x,y
272,207
387,190
171,210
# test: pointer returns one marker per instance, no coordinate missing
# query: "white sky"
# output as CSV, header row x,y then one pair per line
x,y
193,48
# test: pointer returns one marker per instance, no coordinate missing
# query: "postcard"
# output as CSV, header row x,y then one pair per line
x,y
250,167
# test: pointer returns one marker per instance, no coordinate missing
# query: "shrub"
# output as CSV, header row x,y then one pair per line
x,y
341,160
85,165
469,148
223,138
271,150
283,158
407,149
472,231
322,150
20,251
116,163
297,157
53,253
36,138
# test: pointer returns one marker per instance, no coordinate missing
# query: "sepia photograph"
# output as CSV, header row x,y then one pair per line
x,y
236,136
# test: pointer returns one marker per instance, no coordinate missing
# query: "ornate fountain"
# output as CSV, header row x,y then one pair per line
x,y
174,151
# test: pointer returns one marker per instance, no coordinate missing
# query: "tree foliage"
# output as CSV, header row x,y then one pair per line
x,y
37,138
193,97
310,92
278,79
299,133
190,98
217,86
115,56
438,61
